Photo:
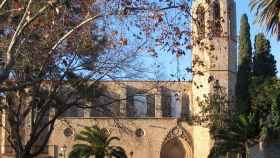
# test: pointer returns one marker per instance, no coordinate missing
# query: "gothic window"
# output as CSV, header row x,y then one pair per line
x,y
73,112
166,105
171,104
140,105
177,144
176,106
2,58
185,106
216,19
173,149
200,22
232,20
143,105
106,105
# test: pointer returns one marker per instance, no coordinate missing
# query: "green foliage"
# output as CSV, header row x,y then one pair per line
x,y
264,64
262,123
258,94
245,46
214,109
237,138
96,143
258,99
216,115
265,105
233,134
244,68
267,15
264,88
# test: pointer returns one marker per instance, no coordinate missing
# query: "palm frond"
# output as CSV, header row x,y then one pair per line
x,y
97,144
267,14
118,152
81,151
111,139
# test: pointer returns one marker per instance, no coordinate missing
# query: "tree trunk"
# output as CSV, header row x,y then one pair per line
x,y
22,155
19,154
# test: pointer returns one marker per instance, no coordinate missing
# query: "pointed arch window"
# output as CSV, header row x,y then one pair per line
x,y
216,21
2,58
232,20
200,13
174,148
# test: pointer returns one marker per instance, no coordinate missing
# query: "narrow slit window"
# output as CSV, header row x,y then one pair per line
x,y
217,27
200,12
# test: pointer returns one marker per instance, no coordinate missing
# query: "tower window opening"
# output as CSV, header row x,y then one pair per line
x,y
216,21
200,21
232,20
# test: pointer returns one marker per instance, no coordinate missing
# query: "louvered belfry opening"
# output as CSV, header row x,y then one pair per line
x,y
200,21
216,19
2,59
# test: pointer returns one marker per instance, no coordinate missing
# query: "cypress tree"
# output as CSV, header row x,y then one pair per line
x,y
244,67
264,88
264,64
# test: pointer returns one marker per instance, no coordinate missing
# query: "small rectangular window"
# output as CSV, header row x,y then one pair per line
x,y
107,105
176,104
73,112
140,103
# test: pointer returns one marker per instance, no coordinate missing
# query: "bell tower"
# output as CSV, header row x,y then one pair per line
x,y
214,54
214,58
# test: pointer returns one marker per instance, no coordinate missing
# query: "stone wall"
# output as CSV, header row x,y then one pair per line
x,y
156,133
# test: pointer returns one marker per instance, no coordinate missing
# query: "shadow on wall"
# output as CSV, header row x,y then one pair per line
x,y
106,104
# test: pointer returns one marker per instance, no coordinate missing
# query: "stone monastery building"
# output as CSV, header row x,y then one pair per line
x,y
155,119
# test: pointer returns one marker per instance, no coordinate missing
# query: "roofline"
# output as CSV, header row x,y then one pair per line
x,y
187,81
160,81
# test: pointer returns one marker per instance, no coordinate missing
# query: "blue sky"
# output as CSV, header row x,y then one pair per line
x,y
169,63
243,7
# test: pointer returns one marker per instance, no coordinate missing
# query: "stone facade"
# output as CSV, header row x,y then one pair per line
x,y
149,145
164,110
214,57
159,127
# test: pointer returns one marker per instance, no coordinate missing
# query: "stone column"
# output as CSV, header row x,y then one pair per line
x,y
3,137
158,109
87,111
123,102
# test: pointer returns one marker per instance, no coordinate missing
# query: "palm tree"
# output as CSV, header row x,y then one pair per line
x,y
97,144
237,138
268,15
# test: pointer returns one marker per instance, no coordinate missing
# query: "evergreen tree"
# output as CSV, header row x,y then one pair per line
x,y
264,64
244,68
264,88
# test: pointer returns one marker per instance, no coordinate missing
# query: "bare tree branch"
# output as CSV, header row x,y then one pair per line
x,y
3,3
10,59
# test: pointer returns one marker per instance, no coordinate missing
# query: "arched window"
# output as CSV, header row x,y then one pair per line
x,y
200,21
216,19
232,20
2,58
177,144
105,105
173,149
176,104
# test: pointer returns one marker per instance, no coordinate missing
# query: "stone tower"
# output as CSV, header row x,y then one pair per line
x,y
214,58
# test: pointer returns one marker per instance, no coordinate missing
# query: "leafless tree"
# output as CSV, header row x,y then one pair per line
x,y
55,52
